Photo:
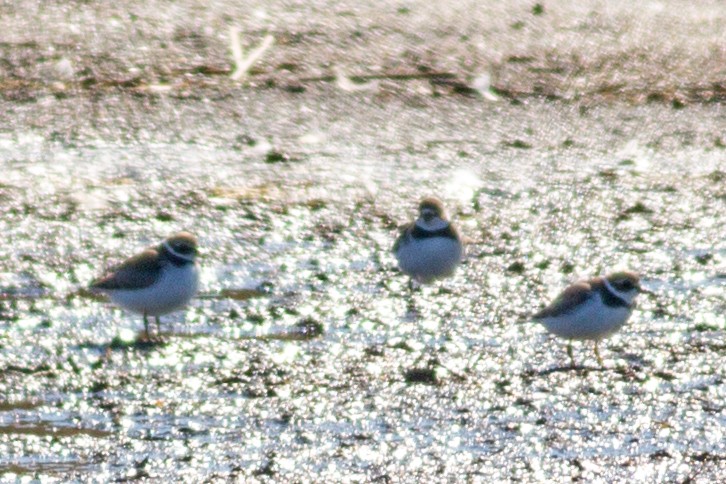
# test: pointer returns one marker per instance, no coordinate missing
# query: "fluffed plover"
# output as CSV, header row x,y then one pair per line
x,y
157,281
592,309
429,248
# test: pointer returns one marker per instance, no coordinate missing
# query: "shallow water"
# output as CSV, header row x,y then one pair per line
x,y
449,383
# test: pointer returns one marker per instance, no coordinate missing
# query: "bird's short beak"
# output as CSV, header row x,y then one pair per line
x,y
647,291
427,215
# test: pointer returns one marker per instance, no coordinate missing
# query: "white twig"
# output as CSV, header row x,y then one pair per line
x,y
242,64
345,84
482,84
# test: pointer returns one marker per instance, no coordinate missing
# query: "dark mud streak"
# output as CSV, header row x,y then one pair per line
x,y
44,430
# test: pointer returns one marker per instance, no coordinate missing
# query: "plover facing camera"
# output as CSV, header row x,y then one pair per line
x,y
429,248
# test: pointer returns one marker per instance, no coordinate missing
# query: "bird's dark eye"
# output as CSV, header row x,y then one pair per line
x,y
625,285
184,249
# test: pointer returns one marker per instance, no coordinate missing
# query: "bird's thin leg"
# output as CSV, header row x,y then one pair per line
x,y
146,325
158,325
411,300
597,354
419,358
411,307
569,353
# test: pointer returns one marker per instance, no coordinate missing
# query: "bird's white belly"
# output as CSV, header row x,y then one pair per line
x,y
429,259
594,320
173,290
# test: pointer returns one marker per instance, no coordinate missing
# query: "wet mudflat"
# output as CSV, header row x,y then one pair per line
x,y
306,357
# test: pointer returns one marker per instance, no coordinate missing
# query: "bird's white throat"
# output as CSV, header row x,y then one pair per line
x,y
189,258
432,225
626,297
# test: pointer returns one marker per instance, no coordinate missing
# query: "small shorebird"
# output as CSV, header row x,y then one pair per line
x,y
429,248
157,281
592,309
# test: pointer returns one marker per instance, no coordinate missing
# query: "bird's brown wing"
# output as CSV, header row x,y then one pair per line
x,y
405,232
569,299
138,272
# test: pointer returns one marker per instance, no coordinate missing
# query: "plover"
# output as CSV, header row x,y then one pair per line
x,y
429,248
592,309
157,281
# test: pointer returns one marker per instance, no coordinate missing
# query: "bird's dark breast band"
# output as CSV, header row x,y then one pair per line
x,y
613,301
418,233
174,258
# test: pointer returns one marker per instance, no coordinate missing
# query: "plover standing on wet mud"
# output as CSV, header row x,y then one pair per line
x,y
157,281
429,248
592,309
